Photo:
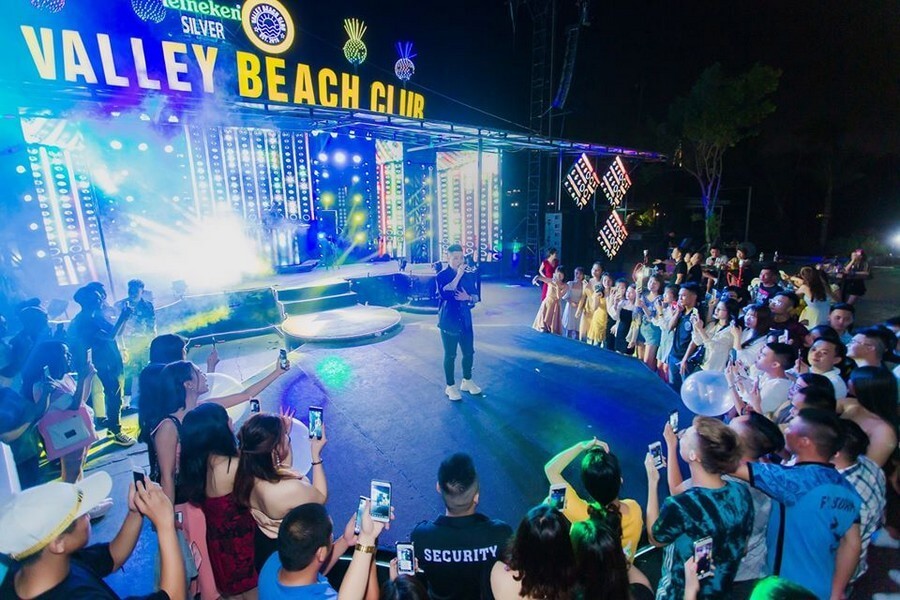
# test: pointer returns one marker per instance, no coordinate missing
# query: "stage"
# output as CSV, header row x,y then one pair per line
x,y
387,417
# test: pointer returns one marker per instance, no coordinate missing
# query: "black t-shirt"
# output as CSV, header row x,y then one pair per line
x,y
457,554
695,274
681,268
455,316
681,336
85,581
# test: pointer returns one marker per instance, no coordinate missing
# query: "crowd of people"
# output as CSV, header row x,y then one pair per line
x,y
787,491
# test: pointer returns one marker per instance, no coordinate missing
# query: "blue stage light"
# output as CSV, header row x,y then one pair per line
x,y
115,145
322,157
142,147
340,158
168,149
357,159
153,11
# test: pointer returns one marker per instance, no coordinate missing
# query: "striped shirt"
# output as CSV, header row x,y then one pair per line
x,y
869,481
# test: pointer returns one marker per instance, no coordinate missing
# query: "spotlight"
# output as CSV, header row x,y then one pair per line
x,y
340,158
142,147
357,159
316,131
352,134
20,169
173,119
322,157
334,134
355,179
115,145
145,117
169,149
41,254
325,175
33,227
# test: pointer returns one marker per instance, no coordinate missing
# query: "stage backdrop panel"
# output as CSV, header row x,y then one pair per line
x,y
464,215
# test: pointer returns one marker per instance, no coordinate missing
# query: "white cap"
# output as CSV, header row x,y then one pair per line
x,y
33,518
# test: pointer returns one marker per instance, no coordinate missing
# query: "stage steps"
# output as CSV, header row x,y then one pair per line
x,y
316,298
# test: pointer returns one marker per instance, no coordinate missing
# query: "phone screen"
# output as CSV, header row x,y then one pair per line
x,y
254,405
139,477
656,452
315,422
406,556
282,358
47,372
703,557
673,420
381,501
357,527
558,496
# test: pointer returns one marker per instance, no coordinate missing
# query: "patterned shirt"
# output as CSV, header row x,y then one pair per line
x,y
724,514
813,509
868,480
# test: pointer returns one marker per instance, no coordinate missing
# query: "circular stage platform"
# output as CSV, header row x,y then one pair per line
x,y
341,324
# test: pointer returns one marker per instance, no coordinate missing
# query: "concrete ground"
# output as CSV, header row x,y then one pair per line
x,y
387,416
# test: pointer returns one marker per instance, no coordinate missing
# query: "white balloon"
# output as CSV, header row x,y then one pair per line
x,y
706,393
220,385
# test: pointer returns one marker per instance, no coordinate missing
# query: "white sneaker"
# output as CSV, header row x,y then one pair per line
x,y
467,385
452,392
99,511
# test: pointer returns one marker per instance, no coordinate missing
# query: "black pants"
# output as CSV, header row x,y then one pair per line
x,y
113,382
466,341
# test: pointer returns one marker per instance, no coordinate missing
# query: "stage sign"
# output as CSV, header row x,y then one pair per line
x,y
582,181
616,183
612,235
184,49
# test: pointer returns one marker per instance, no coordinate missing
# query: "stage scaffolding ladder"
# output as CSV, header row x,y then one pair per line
x,y
541,22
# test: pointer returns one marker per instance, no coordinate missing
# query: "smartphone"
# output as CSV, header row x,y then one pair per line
x,y
282,359
139,477
558,496
673,420
656,452
89,355
703,557
357,526
380,508
406,558
47,373
254,405
315,422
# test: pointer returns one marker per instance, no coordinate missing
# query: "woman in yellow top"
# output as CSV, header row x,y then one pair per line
x,y
597,332
602,478
586,306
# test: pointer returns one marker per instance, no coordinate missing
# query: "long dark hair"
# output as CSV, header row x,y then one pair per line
x,y
763,319
152,407
600,565
205,432
50,354
876,389
404,587
259,438
602,478
814,279
174,375
541,553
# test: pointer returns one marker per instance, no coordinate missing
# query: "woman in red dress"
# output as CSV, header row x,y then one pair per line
x,y
548,267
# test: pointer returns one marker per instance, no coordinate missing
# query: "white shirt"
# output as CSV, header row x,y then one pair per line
x,y
834,376
773,392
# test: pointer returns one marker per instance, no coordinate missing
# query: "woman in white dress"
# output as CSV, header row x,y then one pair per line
x,y
716,338
810,285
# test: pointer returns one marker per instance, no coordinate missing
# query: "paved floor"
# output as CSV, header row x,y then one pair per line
x,y
387,417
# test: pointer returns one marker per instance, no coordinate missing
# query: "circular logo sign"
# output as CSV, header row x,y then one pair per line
x,y
268,25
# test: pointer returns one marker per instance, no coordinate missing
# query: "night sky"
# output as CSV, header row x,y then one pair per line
x,y
841,71
841,76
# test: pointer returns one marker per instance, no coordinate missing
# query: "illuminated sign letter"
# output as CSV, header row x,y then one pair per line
x,y
275,79
327,80
140,66
349,91
376,97
207,62
249,83
303,86
76,61
419,107
173,67
41,52
109,63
